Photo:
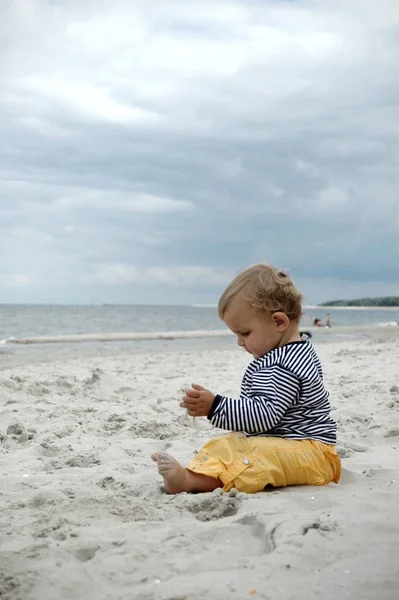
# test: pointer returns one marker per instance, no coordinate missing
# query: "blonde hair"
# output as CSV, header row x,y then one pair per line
x,y
265,289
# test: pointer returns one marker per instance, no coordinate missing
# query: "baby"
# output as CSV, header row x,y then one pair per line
x,y
281,429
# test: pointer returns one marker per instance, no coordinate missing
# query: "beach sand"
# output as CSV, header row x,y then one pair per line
x,y
83,515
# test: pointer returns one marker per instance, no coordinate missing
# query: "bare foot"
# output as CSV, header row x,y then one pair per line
x,y
175,477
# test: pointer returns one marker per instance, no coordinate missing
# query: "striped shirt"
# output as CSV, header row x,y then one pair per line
x,y
282,395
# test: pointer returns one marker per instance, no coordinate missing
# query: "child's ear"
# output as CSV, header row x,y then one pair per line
x,y
280,320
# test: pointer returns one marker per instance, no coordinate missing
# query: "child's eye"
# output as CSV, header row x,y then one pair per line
x,y
244,333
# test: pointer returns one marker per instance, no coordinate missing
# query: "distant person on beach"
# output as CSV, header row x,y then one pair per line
x,y
328,320
281,429
317,322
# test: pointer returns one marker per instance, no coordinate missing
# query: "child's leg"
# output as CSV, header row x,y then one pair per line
x,y
250,464
178,479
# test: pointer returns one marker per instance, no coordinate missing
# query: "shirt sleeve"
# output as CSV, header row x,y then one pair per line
x,y
273,391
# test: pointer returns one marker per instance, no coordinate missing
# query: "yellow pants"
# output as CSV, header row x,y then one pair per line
x,y
249,464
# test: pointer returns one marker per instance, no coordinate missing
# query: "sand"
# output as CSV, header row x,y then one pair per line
x,y
83,515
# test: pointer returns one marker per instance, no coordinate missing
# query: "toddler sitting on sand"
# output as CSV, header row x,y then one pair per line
x,y
283,432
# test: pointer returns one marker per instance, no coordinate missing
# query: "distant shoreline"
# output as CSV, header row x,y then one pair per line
x,y
321,307
380,301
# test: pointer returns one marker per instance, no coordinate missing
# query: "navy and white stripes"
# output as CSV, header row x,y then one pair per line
x,y
283,395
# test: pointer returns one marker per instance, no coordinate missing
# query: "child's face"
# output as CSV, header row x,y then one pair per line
x,y
257,333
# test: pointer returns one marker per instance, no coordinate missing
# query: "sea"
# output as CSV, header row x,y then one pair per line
x,y
197,327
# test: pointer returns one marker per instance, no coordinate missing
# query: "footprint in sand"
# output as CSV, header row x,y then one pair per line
x,y
14,383
85,554
110,483
83,460
94,377
64,431
378,472
114,423
394,432
247,532
8,585
18,432
38,390
15,429
48,449
292,531
154,430
346,449
125,389
322,527
213,506
60,529
257,529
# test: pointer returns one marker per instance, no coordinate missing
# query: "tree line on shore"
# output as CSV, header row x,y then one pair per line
x,y
387,301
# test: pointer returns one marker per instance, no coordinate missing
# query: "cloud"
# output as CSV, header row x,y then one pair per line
x,y
117,274
15,280
26,232
147,140
94,101
120,200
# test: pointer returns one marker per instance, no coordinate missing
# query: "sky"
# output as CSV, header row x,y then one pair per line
x,y
150,150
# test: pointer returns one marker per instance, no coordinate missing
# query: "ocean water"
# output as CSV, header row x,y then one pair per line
x,y
26,321
32,321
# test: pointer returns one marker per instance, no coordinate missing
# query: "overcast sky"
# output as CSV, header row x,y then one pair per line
x,y
151,149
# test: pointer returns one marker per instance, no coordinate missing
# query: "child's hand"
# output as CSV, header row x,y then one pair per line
x,y
197,401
